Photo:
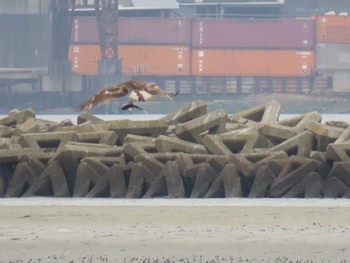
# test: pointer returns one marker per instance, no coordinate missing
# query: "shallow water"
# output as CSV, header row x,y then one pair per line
x,y
107,117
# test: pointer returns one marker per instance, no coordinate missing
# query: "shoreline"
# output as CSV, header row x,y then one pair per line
x,y
181,202
169,230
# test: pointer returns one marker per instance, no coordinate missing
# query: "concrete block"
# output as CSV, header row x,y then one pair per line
x,y
296,169
5,131
173,179
342,171
71,154
131,150
161,158
300,145
9,143
79,150
65,125
12,155
262,182
150,162
85,116
34,163
344,137
187,167
22,178
277,134
2,187
46,125
31,125
102,163
204,178
309,187
262,114
157,188
17,117
46,142
152,128
129,138
99,167
173,144
325,165
111,184
86,178
190,163
81,128
238,141
43,157
276,166
140,180
211,123
237,126
217,162
335,188
299,122
323,134
226,184
346,194
339,124
215,145
107,137
51,182
189,112
338,152
249,163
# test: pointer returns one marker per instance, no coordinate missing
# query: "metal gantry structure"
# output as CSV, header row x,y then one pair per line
x,y
106,12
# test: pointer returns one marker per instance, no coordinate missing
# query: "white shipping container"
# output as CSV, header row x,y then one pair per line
x,y
333,56
25,6
341,81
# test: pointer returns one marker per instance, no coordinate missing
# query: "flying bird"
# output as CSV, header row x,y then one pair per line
x,y
137,91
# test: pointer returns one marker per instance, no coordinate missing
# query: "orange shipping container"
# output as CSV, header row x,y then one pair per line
x,y
333,29
154,60
215,62
84,58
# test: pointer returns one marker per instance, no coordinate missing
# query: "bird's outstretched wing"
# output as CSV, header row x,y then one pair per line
x,y
104,95
155,90
125,88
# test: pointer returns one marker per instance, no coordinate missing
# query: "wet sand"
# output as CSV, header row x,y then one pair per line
x,y
157,230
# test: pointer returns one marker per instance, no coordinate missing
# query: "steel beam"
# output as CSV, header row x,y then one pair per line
x,y
107,14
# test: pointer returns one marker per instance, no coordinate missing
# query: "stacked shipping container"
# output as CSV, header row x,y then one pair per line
x,y
253,48
242,47
84,50
333,50
144,43
155,46
262,54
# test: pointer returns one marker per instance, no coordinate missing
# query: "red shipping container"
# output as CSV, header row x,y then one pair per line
x,y
158,31
216,62
84,58
154,60
254,33
333,29
84,30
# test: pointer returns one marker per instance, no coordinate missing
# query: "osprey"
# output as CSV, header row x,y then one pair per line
x,y
137,91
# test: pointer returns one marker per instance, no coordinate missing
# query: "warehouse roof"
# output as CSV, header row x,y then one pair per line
x,y
232,2
147,4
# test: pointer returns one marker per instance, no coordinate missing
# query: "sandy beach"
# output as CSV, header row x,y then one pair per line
x,y
164,230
